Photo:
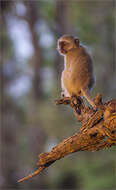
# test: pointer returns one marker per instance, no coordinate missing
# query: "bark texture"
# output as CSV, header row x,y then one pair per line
x,y
98,131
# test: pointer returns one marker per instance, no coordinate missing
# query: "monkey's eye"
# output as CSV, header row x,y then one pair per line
x,y
64,43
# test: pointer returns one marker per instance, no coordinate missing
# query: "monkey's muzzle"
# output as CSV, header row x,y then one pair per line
x,y
61,48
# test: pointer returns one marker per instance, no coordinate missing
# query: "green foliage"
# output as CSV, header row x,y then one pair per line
x,y
83,21
6,45
48,10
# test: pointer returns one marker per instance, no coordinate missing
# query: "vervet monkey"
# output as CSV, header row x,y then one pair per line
x,y
77,77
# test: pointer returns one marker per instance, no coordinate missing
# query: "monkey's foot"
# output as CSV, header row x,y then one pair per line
x,y
73,101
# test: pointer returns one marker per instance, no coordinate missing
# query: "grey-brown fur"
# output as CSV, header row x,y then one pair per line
x,y
77,77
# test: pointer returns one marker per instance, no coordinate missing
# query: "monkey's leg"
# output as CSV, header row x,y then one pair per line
x,y
86,94
64,92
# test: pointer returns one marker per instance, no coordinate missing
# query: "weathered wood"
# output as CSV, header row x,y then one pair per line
x,y
98,131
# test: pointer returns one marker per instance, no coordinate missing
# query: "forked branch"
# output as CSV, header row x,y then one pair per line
x,y
98,131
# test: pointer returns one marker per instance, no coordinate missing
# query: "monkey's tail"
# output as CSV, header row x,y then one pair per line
x,y
36,172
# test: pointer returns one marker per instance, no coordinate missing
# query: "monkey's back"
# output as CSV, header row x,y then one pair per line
x,y
78,72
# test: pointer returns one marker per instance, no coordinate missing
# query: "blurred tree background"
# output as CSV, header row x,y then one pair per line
x,y
30,69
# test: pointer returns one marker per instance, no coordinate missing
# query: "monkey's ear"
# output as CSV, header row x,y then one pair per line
x,y
77,41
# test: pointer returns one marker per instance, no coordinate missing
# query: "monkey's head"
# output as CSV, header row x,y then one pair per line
x,y
67,43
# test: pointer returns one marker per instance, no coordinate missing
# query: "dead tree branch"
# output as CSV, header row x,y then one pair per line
x,y
98,131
